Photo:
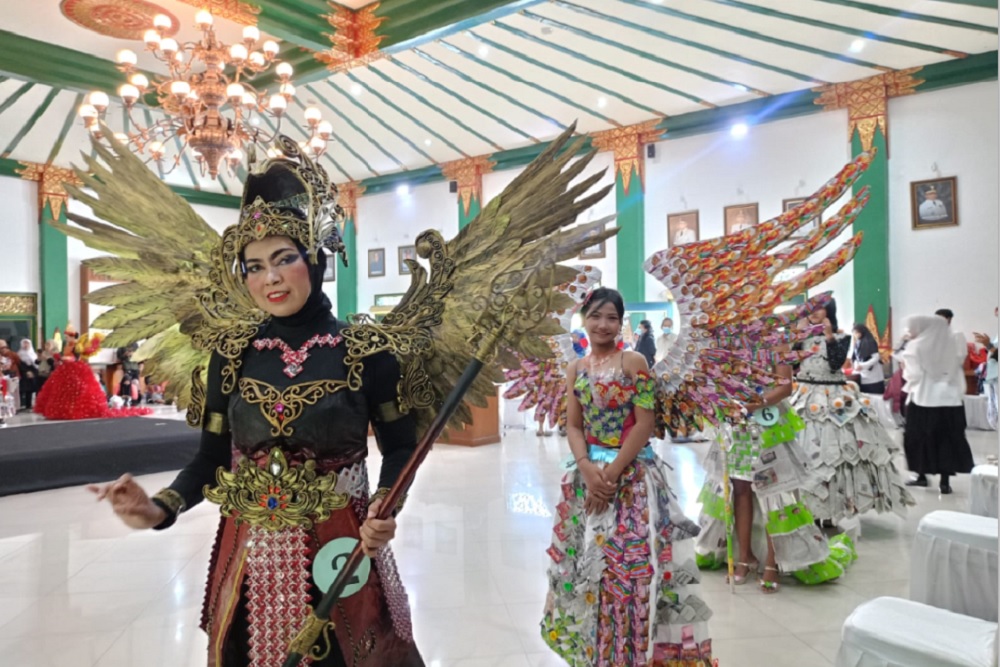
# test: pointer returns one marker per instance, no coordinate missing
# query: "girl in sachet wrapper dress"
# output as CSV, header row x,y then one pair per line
x,y
767,470
623,579
844,442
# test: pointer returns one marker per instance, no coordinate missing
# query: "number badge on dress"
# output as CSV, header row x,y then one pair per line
x,y
766,416
329,561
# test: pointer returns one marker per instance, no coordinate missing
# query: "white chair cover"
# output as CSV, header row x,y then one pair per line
x,y
976,413
953,564
983,501
892,632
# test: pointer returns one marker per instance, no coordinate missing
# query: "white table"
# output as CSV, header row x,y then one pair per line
x,y
953,563
976,413
892,632
983,500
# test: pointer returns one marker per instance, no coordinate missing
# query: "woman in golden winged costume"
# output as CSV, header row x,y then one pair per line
x,y
291,390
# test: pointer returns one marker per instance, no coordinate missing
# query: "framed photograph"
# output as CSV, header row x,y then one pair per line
x,y
934,203
406,252
596,251
740,217
804,230
330,275
376,263
682,228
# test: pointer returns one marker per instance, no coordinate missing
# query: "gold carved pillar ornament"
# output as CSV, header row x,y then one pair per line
x,y
354,40
867,101
348,200
468,173
50,184
627,144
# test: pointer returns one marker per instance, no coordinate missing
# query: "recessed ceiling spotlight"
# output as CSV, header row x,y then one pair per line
x,y
356,89
858,45
403,189
427,142
484,51
739,130
740,87
602,102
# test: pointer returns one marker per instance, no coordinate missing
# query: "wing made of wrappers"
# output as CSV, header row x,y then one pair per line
x,y
727,290
518,239
160,259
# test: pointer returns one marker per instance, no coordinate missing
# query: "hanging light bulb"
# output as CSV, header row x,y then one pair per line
x,y
156,149
324,129
234,92
312,115
203,19
162,22
249,99
257,59
270,48
284,71
251,34
152,39
126,57
317,145
169,47
99,99
139,81
287,89
129,94
277,104
180,88
238,52
88,112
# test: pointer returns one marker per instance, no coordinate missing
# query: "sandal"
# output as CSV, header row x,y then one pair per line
x,y
740,579
769,587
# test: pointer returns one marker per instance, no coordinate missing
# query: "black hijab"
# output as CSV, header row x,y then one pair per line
x,y
866,346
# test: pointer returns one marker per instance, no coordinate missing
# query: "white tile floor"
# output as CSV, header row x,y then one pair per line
x,y
78,589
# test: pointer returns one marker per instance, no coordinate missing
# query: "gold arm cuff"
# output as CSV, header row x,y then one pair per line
x,y
388,412
382,493
217,423
171,499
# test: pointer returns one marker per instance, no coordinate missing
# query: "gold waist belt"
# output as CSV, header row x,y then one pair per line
x,y
276,496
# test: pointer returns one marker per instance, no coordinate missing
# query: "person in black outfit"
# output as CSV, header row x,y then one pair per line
x,y
867,361
646,345
294,402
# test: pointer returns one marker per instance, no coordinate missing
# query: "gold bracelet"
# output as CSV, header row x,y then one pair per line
x,y
381,493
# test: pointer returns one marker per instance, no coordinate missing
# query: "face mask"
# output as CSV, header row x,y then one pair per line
x,y
666,330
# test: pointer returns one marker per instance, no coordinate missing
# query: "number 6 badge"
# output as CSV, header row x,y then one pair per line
x,y
766,416
331,559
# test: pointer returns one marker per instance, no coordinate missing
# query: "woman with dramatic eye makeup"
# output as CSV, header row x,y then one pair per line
x,y
283,397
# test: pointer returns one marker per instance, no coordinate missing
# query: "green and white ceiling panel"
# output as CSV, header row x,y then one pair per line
x,y
514,77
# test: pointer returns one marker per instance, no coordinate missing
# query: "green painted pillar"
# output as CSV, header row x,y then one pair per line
x,y
465,216
347,276
53,270
871,263
631,239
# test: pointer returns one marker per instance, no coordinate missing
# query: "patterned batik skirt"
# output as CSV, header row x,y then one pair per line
x,y
623,584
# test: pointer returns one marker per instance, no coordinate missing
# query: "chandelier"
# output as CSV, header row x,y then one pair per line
x,y
211,108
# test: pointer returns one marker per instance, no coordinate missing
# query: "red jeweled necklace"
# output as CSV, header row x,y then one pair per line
x,y
296,358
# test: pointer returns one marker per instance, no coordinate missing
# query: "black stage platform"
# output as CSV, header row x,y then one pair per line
x,y
57,454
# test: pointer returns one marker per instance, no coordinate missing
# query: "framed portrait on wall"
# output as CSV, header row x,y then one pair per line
x,y
804,230
406,252
740,217
934,203
596,251
682,228
376,262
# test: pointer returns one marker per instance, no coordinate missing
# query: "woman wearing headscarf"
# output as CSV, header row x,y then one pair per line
x,y
646,344
934,438
866,361
29,372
